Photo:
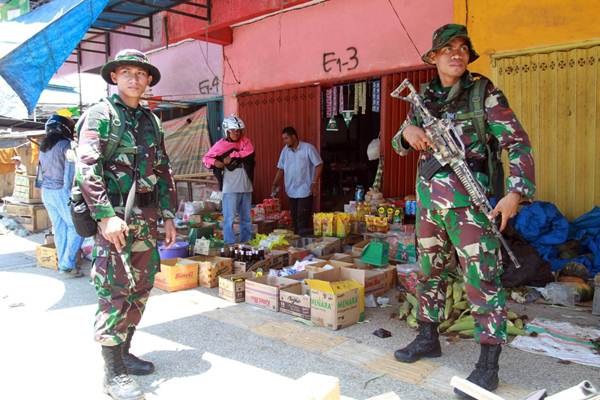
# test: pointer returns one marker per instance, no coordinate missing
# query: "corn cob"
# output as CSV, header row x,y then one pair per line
x,y
412,322
463,324
457,291
404,310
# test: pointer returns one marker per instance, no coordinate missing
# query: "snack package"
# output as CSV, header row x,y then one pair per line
x,y
328,224
342,225
317,225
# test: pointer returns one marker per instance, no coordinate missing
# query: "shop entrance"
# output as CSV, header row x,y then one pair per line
x,y
350,120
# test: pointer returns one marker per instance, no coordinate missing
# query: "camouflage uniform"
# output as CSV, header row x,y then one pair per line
x,y
121,307
446,216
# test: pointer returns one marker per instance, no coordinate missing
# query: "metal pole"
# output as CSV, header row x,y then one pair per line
x,y
79,78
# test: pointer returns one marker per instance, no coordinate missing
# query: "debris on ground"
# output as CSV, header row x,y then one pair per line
x,y
382,333
10,226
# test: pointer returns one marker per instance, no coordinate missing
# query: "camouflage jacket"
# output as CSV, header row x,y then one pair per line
x,y
93,171
444,190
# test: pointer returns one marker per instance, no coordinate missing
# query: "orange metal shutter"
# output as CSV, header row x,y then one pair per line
x,y
399,173
265,115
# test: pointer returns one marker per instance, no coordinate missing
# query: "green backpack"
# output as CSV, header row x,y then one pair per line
x,y
495,169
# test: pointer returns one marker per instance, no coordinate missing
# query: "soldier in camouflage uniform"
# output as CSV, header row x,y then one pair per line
x,y
446,218
125,254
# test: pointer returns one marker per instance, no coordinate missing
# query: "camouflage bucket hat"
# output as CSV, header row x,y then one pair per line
x,y
130,57
444,35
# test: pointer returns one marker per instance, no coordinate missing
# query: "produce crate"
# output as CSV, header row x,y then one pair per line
x,y
25,189
33,217
46,256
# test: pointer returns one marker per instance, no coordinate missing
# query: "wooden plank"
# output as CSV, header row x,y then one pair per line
x,y
596,179
591,140
564,146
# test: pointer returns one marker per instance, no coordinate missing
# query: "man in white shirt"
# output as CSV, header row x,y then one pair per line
x,y
301,165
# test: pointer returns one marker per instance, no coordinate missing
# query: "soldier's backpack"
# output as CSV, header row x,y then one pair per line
x,y
85,225
495,169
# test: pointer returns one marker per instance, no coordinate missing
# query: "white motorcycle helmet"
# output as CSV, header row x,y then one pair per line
x,y
231,123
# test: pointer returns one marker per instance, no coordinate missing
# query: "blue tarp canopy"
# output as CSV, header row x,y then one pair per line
x,y
35,45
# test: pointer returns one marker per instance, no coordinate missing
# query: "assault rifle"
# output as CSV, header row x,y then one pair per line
x,y
448,149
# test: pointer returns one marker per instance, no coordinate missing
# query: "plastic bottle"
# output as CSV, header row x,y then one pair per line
x,y
359,194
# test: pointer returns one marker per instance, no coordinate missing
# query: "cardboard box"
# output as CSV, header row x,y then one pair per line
x,y
48,238
209,269
358,264
296,254
177,274
202,247
316,272
240,267
266,226
233,287
276,259
335,305
390,277
46,256
373,280
25,189
358,247
304,242
33,217
339,257
324,246
295,300
279,259
264,291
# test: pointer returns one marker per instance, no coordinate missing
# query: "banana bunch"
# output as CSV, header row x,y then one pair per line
x,y
457,319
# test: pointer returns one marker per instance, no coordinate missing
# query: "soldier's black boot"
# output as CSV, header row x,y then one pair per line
x,y
485,373
117,384
134,365
426,344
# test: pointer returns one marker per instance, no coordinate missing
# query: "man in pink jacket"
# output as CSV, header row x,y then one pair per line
x,y
232,161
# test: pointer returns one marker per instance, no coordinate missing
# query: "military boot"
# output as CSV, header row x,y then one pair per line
x,y
134,365
117,384
485,373
426,344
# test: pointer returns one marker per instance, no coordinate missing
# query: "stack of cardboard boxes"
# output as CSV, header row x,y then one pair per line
x,y
330,291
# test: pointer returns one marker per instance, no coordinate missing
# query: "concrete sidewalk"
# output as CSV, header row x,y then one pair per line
x,y
205,347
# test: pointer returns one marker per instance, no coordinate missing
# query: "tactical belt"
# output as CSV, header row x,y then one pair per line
x,y
430,167
142,200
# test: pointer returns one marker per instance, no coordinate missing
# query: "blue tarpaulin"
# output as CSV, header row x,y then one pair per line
x,y
544,227
35,45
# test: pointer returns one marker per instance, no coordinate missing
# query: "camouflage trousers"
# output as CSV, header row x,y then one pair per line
x,y
119,306
465,229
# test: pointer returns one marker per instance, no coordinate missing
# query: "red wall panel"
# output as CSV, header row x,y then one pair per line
x,y
265,115
399,173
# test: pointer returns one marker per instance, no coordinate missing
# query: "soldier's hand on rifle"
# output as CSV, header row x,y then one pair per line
x,y
219,164
115,230
170,233
507,206
417,138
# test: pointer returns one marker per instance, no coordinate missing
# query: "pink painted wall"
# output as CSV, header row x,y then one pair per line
x,y
288,49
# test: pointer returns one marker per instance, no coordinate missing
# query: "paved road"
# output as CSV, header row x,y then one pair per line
x,y
205,347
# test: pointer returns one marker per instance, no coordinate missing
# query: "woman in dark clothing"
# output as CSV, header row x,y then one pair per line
x,y
57,172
